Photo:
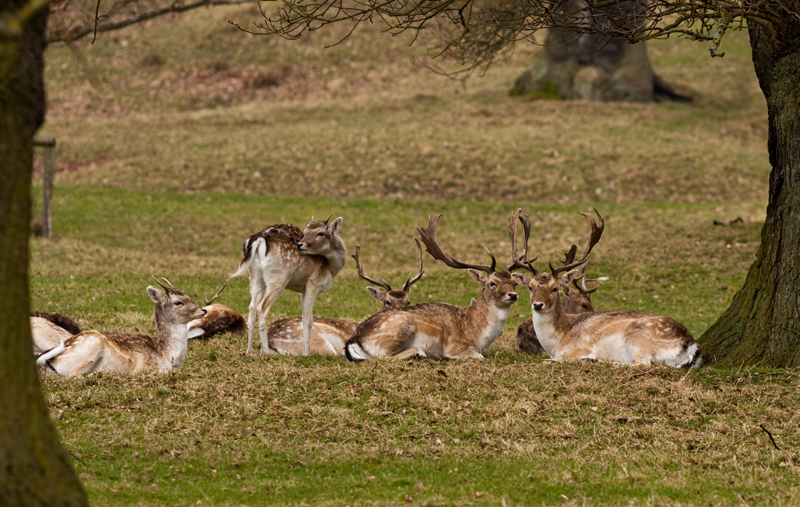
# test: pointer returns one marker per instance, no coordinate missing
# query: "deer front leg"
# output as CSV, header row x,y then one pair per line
x,y
469,353
307,299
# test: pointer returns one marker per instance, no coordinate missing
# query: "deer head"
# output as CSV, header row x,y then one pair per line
x,y
317,236
388,297
172,305
498,286
545,287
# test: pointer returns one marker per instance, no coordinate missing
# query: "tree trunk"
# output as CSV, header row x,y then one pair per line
x,y
762,325
34,469
590,67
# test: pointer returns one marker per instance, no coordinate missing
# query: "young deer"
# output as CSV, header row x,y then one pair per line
x,y
91,351
283,257
439,330
49,329
328,336
218,319
625,337
577,300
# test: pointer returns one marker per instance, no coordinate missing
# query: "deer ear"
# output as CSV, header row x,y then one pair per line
x,y
376,293
335,225
521,279
569,276
567,290
473,302
155,294
476,275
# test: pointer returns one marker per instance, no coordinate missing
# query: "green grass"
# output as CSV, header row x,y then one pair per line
x,y
165,168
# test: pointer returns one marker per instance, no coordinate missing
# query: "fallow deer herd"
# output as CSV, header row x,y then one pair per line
x,y
307,261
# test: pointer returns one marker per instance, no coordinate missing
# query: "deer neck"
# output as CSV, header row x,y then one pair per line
x,y
336,256
485,322
171,341
551,328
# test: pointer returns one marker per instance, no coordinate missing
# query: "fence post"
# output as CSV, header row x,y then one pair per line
x,y
47,184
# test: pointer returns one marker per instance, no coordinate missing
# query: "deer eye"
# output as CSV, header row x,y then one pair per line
x,y
554,290
320,234
178,303
492,285
585,306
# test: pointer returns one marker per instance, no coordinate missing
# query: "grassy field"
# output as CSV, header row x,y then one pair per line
x,y
178,139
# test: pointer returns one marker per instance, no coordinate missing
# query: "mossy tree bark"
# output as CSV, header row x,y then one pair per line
x,y
34,469
762,325
594,67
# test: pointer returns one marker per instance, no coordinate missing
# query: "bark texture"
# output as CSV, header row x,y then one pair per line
x,y
762,325
591,67
34,469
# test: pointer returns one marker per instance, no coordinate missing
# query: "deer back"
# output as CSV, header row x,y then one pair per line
x,y
328,336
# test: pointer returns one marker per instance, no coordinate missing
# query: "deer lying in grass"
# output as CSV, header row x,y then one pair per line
x,y
217,320
284,257
625,337
328,336
49,329
91,351
439,330
576,300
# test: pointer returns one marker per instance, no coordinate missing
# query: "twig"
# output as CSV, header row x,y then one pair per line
x,y
96,19
77,458
770,436
748,437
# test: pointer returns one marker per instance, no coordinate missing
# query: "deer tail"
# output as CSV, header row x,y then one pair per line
x,y
250,250
47,355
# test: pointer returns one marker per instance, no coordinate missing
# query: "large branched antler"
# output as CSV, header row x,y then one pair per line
x,y
411,281
594,238
209,301
520,261
363,275
432,246
569,257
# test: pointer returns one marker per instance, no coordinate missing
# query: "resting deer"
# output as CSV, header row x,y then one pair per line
x,y
217,320
284,257
49,329
91,351
625,337
439,330
576,300
328,336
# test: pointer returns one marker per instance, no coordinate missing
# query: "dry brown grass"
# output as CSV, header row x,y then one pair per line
x,y
229,113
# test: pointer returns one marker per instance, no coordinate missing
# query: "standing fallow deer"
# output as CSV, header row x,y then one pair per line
x,y
440,330
90,351
284,257
328,336
576,300
624,337
217,320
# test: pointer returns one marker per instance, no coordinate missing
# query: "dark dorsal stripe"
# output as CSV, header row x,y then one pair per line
x,y
59,320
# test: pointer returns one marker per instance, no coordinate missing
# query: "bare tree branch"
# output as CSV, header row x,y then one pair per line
x,y
474,33
70,34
